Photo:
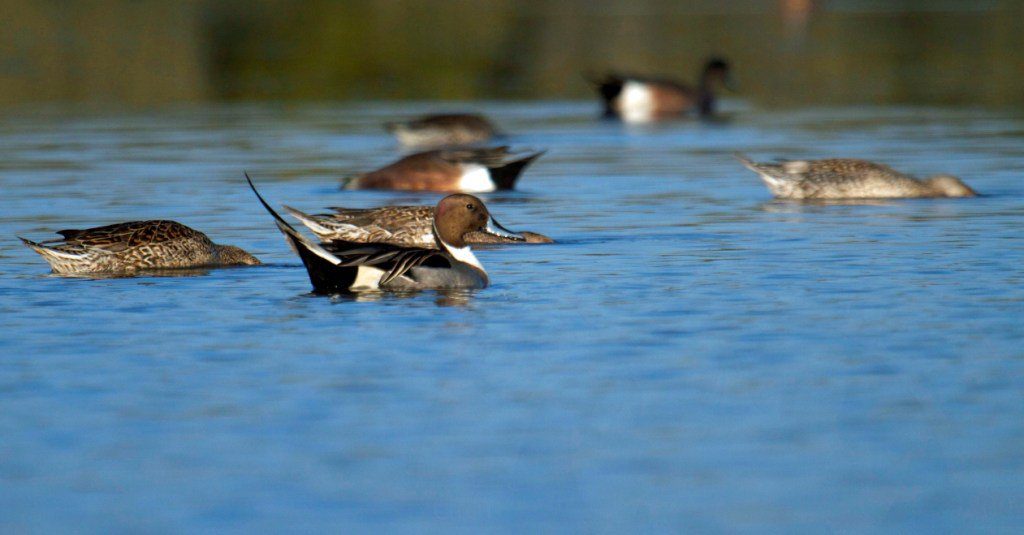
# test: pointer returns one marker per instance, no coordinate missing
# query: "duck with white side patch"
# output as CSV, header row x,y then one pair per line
x,y
642,99
473,170
344,267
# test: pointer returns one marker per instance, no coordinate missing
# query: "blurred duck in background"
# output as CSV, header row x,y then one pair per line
x,y
847,178
455,170
398,225
442,130
640,99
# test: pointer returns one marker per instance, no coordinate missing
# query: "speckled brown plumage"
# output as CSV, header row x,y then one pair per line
x,y
136,245
847,178
410,226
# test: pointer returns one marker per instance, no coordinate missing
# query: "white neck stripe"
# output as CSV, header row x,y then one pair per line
x,y
462,254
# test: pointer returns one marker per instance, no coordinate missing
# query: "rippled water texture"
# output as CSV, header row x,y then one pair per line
x,y
692,355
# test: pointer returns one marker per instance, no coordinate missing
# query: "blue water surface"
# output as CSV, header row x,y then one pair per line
x,y
691,355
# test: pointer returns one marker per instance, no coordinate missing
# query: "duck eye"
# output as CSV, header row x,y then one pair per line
x,y
470,207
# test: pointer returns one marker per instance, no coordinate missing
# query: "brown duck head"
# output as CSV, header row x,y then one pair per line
x,y
456,215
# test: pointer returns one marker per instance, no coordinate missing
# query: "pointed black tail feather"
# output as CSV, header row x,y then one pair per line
x,y
326,277
505,176
325,273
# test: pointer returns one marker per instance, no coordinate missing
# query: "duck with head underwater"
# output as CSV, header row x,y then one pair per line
x,y
135,246
850,178
442,130
466,170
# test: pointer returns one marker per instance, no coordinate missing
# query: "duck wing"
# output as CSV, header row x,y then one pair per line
x,y
123,236
409,226
394,260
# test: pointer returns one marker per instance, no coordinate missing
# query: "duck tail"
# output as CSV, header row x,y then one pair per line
x,y
37,247
49,253
746,161
505,175
311,222
60,261
324,269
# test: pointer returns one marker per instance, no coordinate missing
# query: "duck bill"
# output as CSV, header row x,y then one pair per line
x,y
495,229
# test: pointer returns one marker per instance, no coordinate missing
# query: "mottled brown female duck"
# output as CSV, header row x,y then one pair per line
x,y
639,99
442,130
456,170
136,245
846,178
397,225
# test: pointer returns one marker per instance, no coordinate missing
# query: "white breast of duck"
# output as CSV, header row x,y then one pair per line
x,y
636,102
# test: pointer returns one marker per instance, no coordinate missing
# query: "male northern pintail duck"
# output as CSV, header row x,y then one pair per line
x,y
643,99
343,267
398,225
136,245
442,130
461,170
846,178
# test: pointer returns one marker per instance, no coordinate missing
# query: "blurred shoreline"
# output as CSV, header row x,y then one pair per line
x,y
786,52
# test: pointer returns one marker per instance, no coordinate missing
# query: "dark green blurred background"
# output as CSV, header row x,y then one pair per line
x,y
785,52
